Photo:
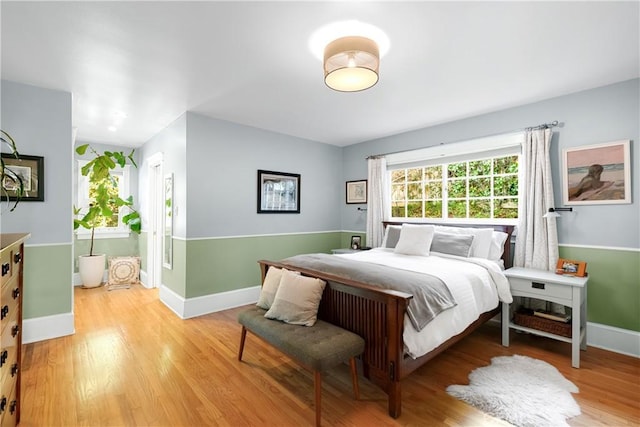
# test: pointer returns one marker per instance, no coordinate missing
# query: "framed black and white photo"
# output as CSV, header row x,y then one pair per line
x,y
30,170
356,192
278,192
355,242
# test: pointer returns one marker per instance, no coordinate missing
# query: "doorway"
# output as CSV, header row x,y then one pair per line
x,y
156,224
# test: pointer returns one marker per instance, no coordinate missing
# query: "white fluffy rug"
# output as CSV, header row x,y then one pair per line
x,y
523,391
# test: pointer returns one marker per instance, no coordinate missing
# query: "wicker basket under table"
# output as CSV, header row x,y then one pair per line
x,y
540,323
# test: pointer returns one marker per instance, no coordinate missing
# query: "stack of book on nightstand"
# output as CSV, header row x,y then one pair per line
x,y
551,315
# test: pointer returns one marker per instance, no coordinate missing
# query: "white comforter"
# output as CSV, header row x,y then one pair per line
x,y
476,284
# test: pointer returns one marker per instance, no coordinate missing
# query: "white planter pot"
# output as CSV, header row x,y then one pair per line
x,y
91,269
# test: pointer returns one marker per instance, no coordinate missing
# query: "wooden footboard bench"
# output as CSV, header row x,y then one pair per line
x,y
317,348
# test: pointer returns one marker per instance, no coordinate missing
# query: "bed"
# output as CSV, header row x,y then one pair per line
x,y
383,316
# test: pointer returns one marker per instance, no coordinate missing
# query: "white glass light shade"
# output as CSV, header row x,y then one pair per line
x,y
351,64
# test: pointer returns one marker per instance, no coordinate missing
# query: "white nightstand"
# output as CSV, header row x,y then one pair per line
x,y
344,251
547,286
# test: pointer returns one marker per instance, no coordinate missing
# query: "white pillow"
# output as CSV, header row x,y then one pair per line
x,y
297,299
415,239
497,245
481,240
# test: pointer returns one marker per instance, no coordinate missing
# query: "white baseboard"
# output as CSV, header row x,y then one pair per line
x,y
613,339
193,307
47,327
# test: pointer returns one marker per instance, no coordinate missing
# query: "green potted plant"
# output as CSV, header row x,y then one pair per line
x,y
106,204
9,179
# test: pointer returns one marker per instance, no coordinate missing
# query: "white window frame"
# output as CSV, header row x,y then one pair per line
x,y
444,154
82,202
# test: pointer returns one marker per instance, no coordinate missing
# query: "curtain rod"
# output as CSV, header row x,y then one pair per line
x,y
526,129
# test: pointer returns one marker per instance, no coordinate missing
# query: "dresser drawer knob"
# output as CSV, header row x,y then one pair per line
x,y
4,311
14,330
17,257
16,293
3,357
537,285
3,404
14,369
12,406
6,268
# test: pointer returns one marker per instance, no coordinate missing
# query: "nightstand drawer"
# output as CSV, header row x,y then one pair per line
x,y
540,288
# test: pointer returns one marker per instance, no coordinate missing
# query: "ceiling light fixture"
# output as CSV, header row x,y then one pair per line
x,y
351,64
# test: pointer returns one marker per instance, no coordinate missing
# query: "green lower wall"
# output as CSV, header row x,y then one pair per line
x,y
613,290
226,264
111,247
47,281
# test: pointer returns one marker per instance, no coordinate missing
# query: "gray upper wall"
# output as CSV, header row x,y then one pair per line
x,y
39,120
172,143
594,116
223,159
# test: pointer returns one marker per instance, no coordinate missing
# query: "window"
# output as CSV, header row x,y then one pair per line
x,y
111,227
471,180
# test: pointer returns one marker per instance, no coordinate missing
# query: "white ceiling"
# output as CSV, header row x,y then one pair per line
x,y
249,62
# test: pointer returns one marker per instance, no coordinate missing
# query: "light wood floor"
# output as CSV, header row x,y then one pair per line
x,y
133,362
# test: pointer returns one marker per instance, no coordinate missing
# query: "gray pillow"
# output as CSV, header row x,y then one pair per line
x,y
452,244
392,236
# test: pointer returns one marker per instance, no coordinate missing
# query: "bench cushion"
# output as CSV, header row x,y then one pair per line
x,y
319,347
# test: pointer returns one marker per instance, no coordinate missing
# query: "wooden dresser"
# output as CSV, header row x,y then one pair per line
x,y
11,326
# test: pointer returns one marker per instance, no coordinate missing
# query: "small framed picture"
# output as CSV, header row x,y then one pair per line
x,y
571,267
356,192
23,174
278,192
355,242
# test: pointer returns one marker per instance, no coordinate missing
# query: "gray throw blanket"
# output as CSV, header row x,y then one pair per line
x,y
430,295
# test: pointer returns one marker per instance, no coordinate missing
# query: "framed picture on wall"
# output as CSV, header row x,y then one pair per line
x,y
356,192
27,169
597,174
278,192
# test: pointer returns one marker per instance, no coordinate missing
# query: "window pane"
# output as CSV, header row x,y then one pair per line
x,y
480,208
397,210
433,190
457,208
505,208
433,209
397,176
414,174
505,165
457,187
457,170
414,191
414,210
433,172
480,187
505,185
397,192
480,167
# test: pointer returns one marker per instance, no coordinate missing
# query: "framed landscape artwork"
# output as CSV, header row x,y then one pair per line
x,y
30,170
278,192
597,174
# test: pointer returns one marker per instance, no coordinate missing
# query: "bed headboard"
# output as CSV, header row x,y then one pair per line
x,y
506,253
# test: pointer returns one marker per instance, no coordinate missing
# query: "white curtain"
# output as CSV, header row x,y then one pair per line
x,y
537,237
377,200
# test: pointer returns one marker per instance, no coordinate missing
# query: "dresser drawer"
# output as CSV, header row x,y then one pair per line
x,y
539,288
9,351
7,266
10,412
9,302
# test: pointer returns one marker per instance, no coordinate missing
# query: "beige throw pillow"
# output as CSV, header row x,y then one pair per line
x,y
270,286
123,272
297,299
